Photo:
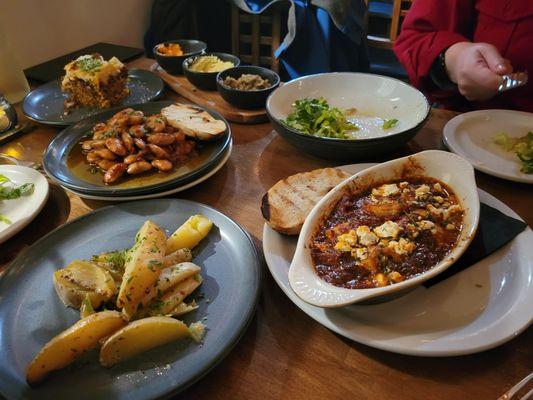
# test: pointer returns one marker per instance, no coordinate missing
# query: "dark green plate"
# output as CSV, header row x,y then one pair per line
x,y
31,313
45,104
57,160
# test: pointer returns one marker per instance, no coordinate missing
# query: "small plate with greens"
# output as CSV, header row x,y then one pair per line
x,y
345,115
23,193
497,142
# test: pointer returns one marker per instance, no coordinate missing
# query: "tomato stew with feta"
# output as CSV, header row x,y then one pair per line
x,y
387,234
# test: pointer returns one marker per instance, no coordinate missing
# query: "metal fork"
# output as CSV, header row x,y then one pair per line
x,y
513,80
511,392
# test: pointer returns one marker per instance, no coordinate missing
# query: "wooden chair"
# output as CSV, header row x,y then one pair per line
x,y
383,61
399,11
254,38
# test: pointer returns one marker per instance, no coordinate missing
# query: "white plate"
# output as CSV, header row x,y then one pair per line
x,y
470,135
189,185
472,311
23,210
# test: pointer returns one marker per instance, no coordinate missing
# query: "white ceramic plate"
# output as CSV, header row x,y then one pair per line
x,y
472,311
165,193
23,210
470,135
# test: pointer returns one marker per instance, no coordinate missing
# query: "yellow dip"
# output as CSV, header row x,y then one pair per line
x,y
210,64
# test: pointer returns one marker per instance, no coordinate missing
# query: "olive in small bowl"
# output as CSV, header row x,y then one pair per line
x,y
206,80
173,63
247,78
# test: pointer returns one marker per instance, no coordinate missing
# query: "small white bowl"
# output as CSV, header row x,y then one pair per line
x,y
449,168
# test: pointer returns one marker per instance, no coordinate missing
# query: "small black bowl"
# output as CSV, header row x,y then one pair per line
x,y
248,99
174,64
206,80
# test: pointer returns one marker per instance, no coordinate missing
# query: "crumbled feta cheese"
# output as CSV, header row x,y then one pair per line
x,y
386,190
387,229
435,212
360,253
366,237
451,210
421,191
395,276
437,186
342,246
350,237
426,225
402,246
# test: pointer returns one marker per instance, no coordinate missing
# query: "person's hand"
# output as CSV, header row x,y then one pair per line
x,y
476,68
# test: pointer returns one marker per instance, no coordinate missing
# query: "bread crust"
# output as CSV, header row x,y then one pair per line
x,y
286,204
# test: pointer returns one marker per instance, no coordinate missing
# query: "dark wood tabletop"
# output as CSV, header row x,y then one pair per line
x,y
284,354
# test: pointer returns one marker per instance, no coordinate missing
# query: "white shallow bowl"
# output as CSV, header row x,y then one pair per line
x,y
449,168
471,136
23,210
372,96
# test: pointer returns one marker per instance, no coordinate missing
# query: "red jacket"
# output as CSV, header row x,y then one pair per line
x,y
434,25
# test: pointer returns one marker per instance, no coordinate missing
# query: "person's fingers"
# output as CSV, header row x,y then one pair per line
x,y
509,66
487,80
494,59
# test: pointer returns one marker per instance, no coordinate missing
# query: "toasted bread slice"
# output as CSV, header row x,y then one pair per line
x,y
193,121
286,205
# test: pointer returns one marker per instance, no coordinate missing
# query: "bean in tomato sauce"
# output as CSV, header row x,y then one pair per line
x,y
387,234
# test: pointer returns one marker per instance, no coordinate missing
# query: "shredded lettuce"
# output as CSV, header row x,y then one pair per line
x,y
316,117
10,193
522,147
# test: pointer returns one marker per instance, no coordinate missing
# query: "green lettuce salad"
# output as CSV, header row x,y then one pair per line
x,y
11,193
522,147
316,117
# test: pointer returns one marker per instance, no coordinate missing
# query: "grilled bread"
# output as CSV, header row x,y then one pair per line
x,y
193,121
286,205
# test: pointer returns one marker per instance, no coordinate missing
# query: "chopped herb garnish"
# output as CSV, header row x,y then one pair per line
x,y
389,123
89,64
4,219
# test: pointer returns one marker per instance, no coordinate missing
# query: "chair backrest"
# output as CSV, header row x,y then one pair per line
x,y
398,13
254,38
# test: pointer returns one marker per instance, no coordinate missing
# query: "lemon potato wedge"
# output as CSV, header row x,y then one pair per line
x,y
143,266
72,343
140,336
188,235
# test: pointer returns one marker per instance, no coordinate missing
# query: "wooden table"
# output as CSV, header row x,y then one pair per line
x,y
284,354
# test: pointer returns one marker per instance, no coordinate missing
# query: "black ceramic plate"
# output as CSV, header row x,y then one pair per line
x,y
31,313
45,104
63,162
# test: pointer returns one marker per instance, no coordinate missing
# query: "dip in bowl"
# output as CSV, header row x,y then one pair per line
x,y
386,230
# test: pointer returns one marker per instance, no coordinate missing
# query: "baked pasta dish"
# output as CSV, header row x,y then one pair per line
x,y
92,81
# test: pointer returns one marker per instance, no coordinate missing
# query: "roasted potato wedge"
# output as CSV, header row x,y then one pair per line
x,y
188,235
81,279
176,257
139,336
175,296
170,277
72,343
143,265
183,308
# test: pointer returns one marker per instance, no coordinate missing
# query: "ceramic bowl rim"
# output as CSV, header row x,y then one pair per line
x,y
323,207
337,140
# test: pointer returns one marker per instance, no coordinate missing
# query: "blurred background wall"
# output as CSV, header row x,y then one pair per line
x,y
39,30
